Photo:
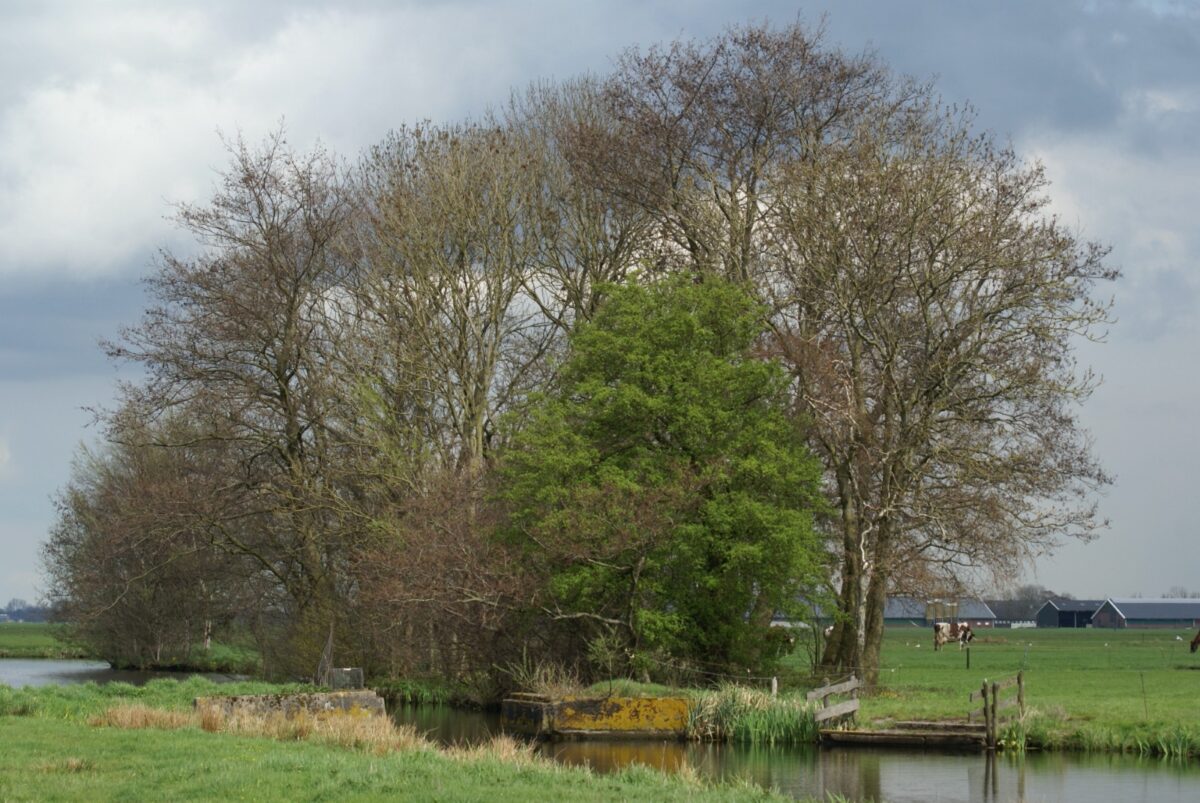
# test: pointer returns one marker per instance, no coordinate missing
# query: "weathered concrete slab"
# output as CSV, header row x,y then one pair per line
x,y
596,717
344,678
317,704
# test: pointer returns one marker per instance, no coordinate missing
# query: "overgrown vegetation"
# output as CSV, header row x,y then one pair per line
x,y
749,716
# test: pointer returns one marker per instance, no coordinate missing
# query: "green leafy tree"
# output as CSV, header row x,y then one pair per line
x,y
662,489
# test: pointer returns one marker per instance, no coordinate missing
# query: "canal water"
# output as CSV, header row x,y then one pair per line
x,y
861,774
898,776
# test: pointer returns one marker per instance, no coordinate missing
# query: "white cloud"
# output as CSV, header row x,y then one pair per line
x,y
120,117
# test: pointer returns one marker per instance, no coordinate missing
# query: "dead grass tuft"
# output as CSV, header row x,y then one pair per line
x,y
371,734
136,717
501,747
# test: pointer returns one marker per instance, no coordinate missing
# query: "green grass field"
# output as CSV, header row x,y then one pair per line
x,y
45,640
1085,689
47,760
35,640
52,750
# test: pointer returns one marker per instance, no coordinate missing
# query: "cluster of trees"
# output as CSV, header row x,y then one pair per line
x,y
22,611
608,377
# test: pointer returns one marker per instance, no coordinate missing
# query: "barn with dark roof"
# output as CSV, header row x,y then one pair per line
x,y
1128,612
1067,612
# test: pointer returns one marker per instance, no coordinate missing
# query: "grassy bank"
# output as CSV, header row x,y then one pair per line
x,y
117,741
36,640
1104,690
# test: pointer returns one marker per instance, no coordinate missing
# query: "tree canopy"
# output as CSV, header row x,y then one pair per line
x,y
661,486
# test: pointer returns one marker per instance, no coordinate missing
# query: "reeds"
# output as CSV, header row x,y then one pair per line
x,y
749,716
136,717
549,679
503,748
1047,732
350,730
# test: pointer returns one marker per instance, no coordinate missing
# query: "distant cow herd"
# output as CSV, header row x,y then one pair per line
x,y
945,632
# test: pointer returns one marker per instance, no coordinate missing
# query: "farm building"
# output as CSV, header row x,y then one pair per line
x,y
912,611
1123,612
976,613
1012,612
904,611
1067,612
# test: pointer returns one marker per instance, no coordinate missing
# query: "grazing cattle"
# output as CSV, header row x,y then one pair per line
x,y
1196,641
944,632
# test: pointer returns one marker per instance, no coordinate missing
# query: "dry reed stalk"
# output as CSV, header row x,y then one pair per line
x,y
501,747
378,735
134,717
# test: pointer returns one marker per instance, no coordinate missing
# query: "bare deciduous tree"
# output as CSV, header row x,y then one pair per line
x,y
929,306
702,128
241,336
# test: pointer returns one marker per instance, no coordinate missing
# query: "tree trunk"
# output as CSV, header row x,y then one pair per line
x,y
873,609
842,650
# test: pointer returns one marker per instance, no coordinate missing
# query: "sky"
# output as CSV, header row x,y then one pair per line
x,y
111,113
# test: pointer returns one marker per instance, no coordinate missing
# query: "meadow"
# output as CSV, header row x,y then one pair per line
x,y
1095,689
49,640
36,640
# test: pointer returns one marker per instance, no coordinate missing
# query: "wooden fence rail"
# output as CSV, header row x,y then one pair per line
x,y
842,710
995,703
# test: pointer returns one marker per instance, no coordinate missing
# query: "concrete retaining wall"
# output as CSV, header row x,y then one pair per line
x,y
599,717
318,704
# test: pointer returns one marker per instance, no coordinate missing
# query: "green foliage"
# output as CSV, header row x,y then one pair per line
x,y
662,489
402,691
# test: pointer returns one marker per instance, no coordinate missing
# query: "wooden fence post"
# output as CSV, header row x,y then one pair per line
x,y
1021,693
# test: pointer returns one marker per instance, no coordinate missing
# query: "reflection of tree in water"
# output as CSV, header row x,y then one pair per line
x,y
850,773
610,756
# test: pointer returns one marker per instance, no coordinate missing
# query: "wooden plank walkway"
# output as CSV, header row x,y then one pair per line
x,y
952,735
968,734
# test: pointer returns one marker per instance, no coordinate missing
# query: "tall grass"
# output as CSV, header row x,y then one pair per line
x,y
749,716
399,691
1042,731
549,679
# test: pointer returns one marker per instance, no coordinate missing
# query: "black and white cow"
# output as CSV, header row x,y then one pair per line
x,y
945,632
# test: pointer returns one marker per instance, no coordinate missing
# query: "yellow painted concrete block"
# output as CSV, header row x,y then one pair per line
x,y
622,714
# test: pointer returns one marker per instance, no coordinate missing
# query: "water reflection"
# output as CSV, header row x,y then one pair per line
x,y
899,776
18,672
